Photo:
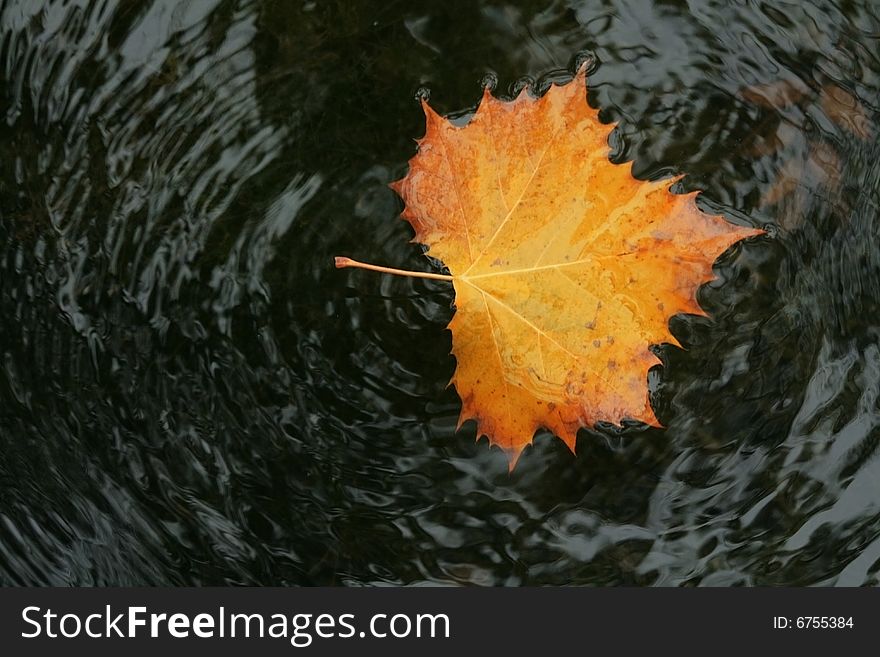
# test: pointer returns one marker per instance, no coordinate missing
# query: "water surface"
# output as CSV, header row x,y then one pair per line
x,y
191,394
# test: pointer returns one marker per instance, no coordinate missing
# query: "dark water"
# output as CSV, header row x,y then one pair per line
x,y
191,394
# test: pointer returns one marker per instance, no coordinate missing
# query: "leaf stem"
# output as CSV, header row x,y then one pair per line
x,y
342,262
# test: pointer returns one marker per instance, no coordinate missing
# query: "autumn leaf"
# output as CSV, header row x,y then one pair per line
x,y
565,267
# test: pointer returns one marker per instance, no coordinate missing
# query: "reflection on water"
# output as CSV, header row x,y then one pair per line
x,y
190,393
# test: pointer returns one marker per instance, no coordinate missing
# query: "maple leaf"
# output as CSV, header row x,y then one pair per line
x,y
565,267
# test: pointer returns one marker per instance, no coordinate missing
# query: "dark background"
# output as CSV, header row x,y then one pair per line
x,y
191,394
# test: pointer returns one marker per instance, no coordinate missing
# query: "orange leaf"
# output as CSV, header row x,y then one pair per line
x,y
565,267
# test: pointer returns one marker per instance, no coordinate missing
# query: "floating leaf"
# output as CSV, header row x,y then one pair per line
x,y
565,267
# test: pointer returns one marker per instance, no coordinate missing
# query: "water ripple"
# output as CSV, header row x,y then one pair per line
x,y
191,394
